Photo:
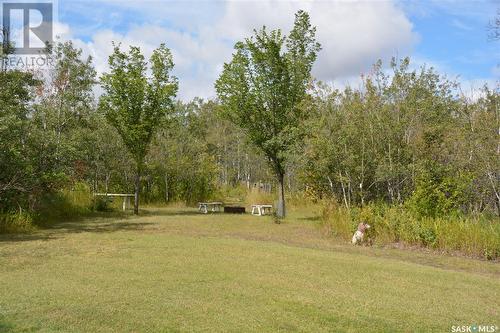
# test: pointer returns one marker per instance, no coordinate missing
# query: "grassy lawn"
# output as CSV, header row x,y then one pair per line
x,y
175,270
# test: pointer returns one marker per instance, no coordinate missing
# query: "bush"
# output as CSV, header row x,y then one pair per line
x,y
338,221
102,204
65,204
58,206
18,222
439,192
478,237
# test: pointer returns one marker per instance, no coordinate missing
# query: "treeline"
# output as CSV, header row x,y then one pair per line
x,y
403,137
55,137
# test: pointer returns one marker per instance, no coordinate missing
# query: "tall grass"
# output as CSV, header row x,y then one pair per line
x,y
471,236
63,205
16,222
255,197
230,194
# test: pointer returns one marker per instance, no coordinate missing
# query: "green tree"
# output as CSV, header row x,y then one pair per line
x,y
135,101
179,158
66,102
262,87
16,97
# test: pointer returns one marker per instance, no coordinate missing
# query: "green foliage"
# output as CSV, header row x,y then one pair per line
x,y
65,204
64,111
17,222
478,237
337,221
37,137
261,89
419,158
407,137
61,205
190,272
439,192
254,196
15,169
135,103
180,160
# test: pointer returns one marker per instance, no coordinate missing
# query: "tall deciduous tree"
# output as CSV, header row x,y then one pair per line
x,y
66,102
135,101
15,106
262,87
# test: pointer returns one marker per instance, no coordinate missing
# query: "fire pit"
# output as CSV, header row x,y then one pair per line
x,y
234,209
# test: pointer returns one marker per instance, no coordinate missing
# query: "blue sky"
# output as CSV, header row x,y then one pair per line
x,y
449,35
455,34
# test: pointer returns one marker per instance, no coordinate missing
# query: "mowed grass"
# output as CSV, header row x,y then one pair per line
x,y
173,270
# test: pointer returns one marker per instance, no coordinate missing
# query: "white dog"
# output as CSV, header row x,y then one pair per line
x,y
360,233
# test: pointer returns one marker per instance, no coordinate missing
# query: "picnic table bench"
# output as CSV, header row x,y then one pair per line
x,y
126,198
204,207
259,210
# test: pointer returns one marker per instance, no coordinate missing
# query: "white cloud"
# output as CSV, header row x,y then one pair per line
x,y
461,25
353,36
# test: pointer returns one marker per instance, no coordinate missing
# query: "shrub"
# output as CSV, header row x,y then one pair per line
x,y
18,222
65,204
339,221
479,237
102,204
439,192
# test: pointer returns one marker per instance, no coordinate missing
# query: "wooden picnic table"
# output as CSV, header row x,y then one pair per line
x,y
260,210
126,198
204,207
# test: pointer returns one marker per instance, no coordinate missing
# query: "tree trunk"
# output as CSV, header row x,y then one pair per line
x,y
281,196
106,182
343,190
332,188
136,194
166,188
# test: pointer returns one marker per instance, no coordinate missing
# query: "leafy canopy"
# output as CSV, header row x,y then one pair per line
x,y
262,87
137,97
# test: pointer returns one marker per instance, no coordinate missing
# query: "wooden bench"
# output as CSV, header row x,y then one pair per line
x,y
260,210
204,207
126,198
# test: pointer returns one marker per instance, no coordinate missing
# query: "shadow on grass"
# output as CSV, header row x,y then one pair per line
x,y
24,238
313,218
98,222
171,212
54,223
100,227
